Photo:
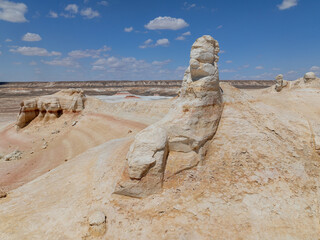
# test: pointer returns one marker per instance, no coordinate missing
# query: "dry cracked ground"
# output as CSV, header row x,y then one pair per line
x,y
259,179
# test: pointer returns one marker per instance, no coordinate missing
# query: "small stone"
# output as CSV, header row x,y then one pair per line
x,y
74,123
55,132
97,218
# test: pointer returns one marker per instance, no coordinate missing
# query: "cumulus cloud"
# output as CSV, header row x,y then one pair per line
x,y
8,40
72,8
103,3
53,14
34,51
129,29
162,42
259,67
287,4
64,62
12,12
89,13
228,61
93,53
166,23
31,37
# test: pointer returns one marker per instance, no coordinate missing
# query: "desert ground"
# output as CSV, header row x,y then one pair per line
x,y
256,177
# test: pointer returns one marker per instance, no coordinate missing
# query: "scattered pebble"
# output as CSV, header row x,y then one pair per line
x,y
15,155
74,123
55,132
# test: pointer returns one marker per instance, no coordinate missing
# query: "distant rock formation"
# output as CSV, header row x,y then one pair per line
x,y
309,80
182,134
280,83
50,106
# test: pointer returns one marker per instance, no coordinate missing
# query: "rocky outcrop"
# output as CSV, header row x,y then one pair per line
x,y
191,121
280,83
51,106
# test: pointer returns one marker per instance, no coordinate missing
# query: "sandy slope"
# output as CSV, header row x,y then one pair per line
x,y
260,180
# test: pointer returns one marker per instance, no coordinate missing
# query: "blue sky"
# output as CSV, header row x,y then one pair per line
x,y
150,40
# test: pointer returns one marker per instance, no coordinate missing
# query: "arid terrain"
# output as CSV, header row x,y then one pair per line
x,y
213,162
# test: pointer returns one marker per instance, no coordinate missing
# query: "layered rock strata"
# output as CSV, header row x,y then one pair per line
x,y
50,106
177,142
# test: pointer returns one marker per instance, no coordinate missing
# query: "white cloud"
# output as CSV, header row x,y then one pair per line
x,y
276,69
31,37
220,26
162,42
32,63
89,13
72,8
129,29
315,68
181,38
222,51
103,3
0,53
161,63
12,12
98,68
64,62
166,23
147,43
259,67
246,66
189,5
228,61
8,40
34,51
53,14
287,4
94,53
121,68
291,72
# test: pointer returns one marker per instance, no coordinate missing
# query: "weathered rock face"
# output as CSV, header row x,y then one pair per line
x,y
51,106
192,120
280,83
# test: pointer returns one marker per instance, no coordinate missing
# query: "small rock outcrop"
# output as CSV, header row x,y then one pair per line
x,y
192,121
309,77
280,83
51,106
97,224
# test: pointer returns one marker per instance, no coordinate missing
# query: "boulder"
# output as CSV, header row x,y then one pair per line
x,y
191,121
50,107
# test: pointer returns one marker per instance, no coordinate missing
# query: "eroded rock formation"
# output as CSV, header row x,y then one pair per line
x,y
280,83
192,121
50,106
